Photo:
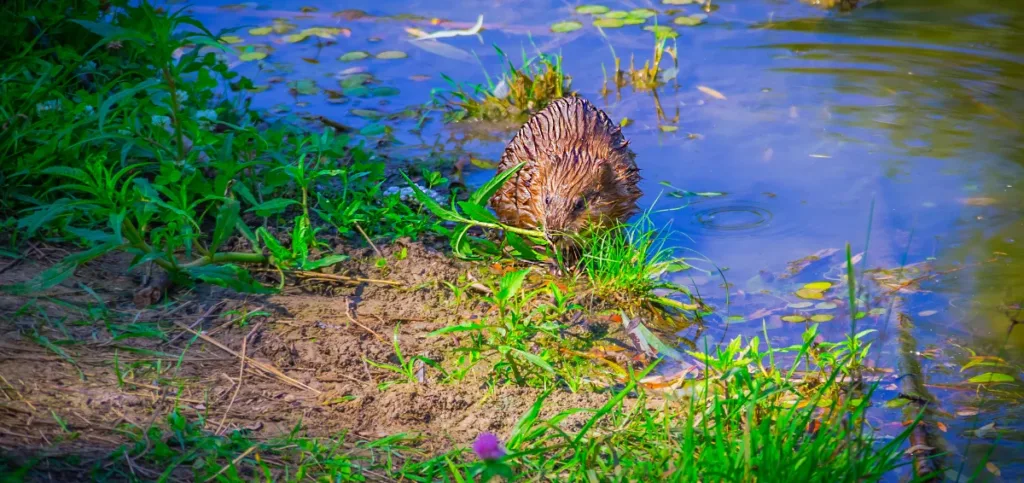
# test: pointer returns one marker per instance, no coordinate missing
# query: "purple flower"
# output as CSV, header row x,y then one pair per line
x,y
487,447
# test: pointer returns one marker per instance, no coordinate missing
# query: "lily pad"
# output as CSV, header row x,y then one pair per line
x,y
609,23
691,20
666,128
592,9
354,56
825,306
809,294
392,55
678,2
249,56
565,27
822,317
800,305
261,30
231,39
373,129
877,312
384,91
991,377
643,12
631,20
355,80
366,113
818,286
305,87
617,14
662,31
794,318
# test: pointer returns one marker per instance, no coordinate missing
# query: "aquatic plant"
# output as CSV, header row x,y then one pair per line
x,y
519,92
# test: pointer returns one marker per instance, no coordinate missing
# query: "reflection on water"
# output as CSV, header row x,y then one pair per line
x,y
912,106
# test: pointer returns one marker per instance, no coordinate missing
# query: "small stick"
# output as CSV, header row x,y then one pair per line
x,y
241,375
233,462
252,362
348,313
368,240
198,321
342,278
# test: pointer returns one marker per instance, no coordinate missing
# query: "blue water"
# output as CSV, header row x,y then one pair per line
x,y
911,107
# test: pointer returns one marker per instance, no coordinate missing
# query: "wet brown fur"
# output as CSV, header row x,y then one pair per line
x,y
579,171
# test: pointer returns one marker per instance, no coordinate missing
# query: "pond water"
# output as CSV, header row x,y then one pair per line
x,y
895,127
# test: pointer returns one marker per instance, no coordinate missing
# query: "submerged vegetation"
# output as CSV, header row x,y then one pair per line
x,y
132,145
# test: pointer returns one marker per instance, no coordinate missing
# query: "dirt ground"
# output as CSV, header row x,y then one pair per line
x,y
307,359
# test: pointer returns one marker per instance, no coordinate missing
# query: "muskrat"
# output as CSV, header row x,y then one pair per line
x,y
579,171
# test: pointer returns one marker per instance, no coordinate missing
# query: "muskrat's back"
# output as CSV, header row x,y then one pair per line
x,y
574,156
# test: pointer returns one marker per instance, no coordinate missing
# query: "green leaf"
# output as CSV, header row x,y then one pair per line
x,y
122,95
990,377
354,56
522,248
511,283
477,212
609,23
482,195
227,219
592,9
566,26
272,207
43,215
230,276
280,254
534,359
325,262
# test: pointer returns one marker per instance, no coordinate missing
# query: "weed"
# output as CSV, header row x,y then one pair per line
x,y
407,367
520,91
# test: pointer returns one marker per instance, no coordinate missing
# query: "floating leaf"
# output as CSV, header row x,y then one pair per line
x,y
822,317
304,87
875,312
373,129
927,313
261,30
800,305
384,91
392,55
565,27
249,56
662,31
992,468
617,14
366,113
794,318
691,20
609,23
354,55
818,286
824,305
991,377
897,403
809,294
592,9
678,2
666,128
231,39
631,20
643,12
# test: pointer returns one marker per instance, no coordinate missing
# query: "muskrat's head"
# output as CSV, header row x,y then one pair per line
x,y
580,193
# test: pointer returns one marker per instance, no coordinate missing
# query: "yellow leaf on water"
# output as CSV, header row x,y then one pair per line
x,y
992,468
818,286
252,56
261,30
711,92
794,318
822,318
979,201
809,294
231,39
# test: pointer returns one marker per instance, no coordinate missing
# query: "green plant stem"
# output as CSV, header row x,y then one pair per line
x,y
515,368
174,115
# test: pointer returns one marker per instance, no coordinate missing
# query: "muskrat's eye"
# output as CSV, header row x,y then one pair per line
x,y
580,204
547,200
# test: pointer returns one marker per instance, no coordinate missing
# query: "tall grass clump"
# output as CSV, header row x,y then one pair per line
x,y
518,93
